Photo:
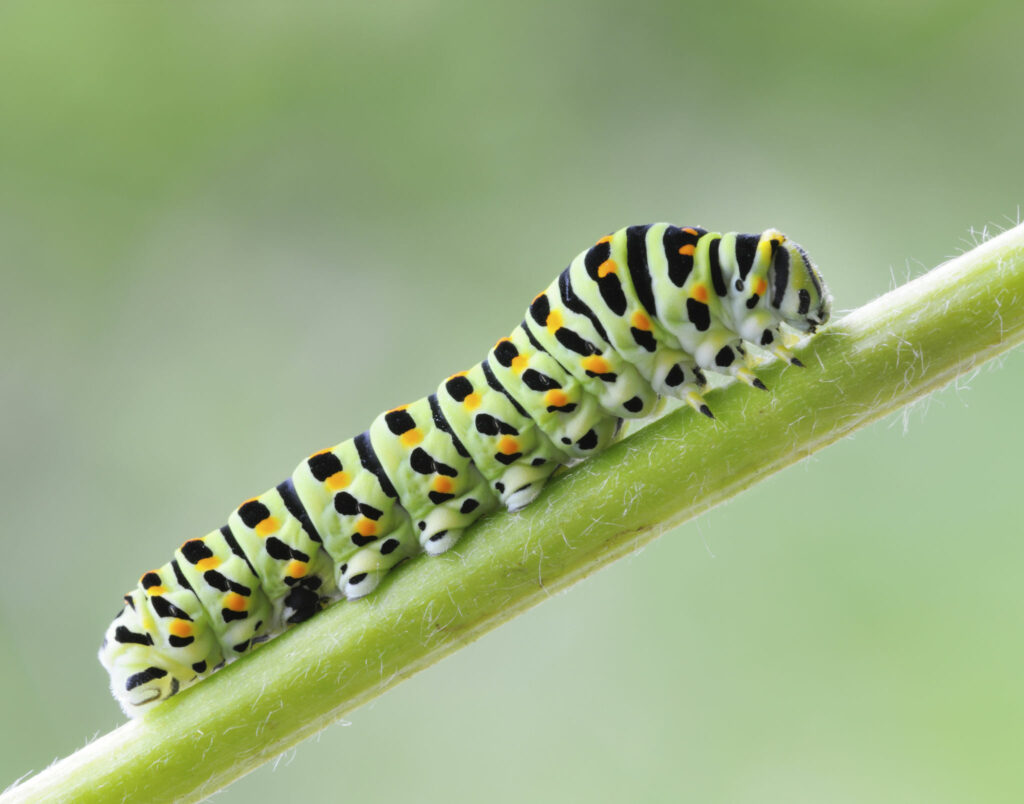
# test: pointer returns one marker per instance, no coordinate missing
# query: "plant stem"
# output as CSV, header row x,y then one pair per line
x,y
883,356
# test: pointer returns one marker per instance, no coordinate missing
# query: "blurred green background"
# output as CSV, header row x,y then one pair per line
x,y
231,234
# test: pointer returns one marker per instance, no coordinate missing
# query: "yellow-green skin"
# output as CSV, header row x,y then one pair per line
x,y
642,314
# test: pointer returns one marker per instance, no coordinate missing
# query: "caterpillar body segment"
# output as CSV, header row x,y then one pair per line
x,y
556,321
352,504
432,472
225,581
273,534
508,447
641,315
551,396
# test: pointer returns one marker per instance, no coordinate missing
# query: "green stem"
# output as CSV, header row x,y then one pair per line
x,y
884,355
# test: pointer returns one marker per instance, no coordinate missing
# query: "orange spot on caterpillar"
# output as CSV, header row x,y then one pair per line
x,y
519,363
700,293
605,239
235,602
156,591
760,286
411,438
605,268
269,525
210,563
296,569
690,231
508,446
443,484
555,398
641,321
472,401
366,527
687,250
338,480
554,322
400,407
180,628
595,364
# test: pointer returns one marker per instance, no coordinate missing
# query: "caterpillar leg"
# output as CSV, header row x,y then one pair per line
x,y
745,375
720,351
364,571
676,375
786,356
776,343
632,425
765,332
453,503
442,527
696,401
519,485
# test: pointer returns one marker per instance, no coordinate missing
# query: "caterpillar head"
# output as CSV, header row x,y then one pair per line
x,y
796,290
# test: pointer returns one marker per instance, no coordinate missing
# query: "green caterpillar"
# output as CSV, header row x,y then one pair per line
x,y
638,316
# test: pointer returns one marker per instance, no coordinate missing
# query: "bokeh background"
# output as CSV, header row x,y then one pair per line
x,y
230,234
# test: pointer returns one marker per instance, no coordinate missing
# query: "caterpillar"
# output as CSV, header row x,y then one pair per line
x,y
641,315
